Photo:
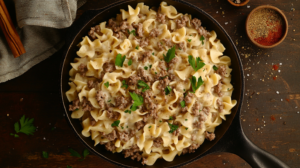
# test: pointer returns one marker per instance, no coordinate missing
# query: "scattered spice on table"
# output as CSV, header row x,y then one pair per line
x,y
275,67
237,1
274,78
272,118
266,26
288,100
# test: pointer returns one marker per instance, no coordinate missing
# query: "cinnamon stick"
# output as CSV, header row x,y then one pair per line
x,y
10,32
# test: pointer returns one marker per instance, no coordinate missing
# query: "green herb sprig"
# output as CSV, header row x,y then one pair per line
x,y
137,100
26,127
196,85
170,54
196,65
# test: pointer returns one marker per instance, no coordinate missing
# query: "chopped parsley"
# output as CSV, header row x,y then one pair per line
x,y
159,120
186,128
149,126
189,40
186,119
128,111
144,85
26,127
171,118
202,39
137,100
122,127
182,103
115,123
76,109
196,64
153,53
215,68
106,84
109,101
155,73
168,90
150,66
170,54
45,155
183,89
146,68
137,47
196,85
124,85
129,62
120,60
227,88
203,70
85,153
173,128
131,32
74,153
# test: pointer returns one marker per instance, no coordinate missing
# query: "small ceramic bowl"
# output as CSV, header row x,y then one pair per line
x,y
240,4
285,26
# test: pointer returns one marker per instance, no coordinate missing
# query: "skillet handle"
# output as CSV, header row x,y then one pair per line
x,y
255,156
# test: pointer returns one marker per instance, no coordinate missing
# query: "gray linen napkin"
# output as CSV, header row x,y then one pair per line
x,y
39,26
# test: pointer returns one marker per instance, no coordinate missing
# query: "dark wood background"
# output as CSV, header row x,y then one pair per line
x,y
36,94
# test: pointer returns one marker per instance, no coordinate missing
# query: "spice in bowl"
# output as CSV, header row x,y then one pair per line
x,y
266,26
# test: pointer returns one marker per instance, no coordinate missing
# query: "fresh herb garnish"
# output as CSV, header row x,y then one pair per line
x,y
189,40
159,120
150,66
85,153
45,155
186,128
106,84
74,153
143,85
109,101
194,81
149,126
196,65
155,73
186,119
168,90
115,123
137,100
173,128
129,62
76,109
120,60
26,127
153,53
131,32
146,68
170,54
215,68
137,47
128,111
182,103
202,39
124,85
171,118
122,127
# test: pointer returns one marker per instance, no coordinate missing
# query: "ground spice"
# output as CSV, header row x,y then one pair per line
x,y
274,78
272,118
275,67
288,100
266,26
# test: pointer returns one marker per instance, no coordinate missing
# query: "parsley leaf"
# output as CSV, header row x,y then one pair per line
x,y
186,128
129,62
137,47
69,166
171,118
182,103
168,90
196,65
120,60
131,32
109,101
170,54
150,66
202,39
153,53
122,127
115,123
128,111
194,85
143,84
124,85
215,68
74,153
85,153
45,155
189,40
149,126
146,68
173,128
137,100
26,126
186,119
106,84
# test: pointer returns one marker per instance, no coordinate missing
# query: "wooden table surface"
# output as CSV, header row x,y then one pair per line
x,y
270,120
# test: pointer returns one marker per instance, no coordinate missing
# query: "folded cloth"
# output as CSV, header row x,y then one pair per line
x,y
40,26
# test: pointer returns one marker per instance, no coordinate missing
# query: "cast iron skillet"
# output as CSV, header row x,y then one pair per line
x,y
229,135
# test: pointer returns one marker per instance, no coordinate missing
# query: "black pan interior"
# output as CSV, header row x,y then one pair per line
x,y
182,7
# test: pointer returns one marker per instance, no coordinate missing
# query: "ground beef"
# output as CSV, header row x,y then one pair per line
x,y
111,23
172,77
145,160
163,83
196,22
222,70
75,105
112,136
141,72
161,18
218,89
100,97
190,149
140,30
113,115
110,146
206,110
118,35
188,98
197,124
92,84
210,136
160,45
184,109
133,80
146,117
162,65
139,124
202,117
144,42
221,106
94,30
181,46
173,62
122,102
162,74
176,132
182,21
124,25
154,32
82,69
158,142
134,152
194,136
146,55
168,42
196,108
124,136
203,32
109,67
86,105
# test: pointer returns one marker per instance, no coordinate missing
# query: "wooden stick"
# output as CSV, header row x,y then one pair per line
x,y
10,32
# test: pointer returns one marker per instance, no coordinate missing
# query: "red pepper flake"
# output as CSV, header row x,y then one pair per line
x,y
257,119
272,118
274,78
287,100
275,67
